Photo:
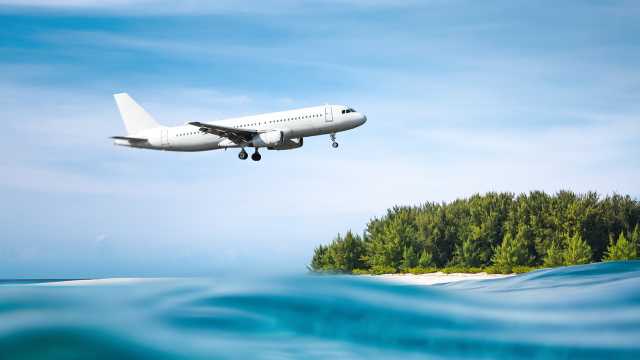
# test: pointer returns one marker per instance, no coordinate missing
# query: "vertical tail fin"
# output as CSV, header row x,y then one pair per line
x,y
135,118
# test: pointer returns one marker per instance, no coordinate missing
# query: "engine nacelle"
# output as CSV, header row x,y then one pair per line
x,y
289,144
268,139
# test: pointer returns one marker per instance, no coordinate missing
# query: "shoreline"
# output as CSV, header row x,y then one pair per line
x,y
436,277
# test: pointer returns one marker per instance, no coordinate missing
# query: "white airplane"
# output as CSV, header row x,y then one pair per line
x,y
283,130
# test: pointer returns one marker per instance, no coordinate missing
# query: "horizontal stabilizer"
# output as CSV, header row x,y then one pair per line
x,y
130,139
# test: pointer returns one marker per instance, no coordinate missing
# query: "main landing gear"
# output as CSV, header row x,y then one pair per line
x,y
255,156
334,144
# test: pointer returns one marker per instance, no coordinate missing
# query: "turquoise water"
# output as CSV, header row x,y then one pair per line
x,y
582,312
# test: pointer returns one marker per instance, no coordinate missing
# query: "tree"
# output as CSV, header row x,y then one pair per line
x,y
554,256
425,259
510,253
577,251
344,254
635,238
472,231
523,240
353,251
318,262
408,258
389,236
469,252
621,249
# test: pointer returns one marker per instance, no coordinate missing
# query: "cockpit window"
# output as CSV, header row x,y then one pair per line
x,y
349,110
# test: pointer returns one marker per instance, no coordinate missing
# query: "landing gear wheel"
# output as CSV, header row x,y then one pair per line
x,y
256,156
334,144
243,155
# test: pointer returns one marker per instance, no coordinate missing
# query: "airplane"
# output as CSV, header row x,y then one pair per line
x,y
283,130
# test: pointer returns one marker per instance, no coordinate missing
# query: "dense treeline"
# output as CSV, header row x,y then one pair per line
x,y
498,232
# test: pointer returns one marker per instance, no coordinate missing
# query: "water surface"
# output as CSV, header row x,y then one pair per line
x,y
585,312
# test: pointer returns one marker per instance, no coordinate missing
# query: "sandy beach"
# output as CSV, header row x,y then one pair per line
x,y
435,278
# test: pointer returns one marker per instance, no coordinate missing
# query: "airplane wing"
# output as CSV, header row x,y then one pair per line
x,y
238,136
130,139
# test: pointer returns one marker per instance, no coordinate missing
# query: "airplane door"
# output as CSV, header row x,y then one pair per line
x,y
328,114
164,137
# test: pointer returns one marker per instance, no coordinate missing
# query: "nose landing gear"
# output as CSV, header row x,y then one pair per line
x,y
334,144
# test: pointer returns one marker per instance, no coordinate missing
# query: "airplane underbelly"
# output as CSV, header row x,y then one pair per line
x,y
195,145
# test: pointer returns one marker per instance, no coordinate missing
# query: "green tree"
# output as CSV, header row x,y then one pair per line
x,y
353,252
524,240
409,259
510,253
577,251
621,249
472,231
470,251
555,256
389,236
344,254
425,259
318,262
635,238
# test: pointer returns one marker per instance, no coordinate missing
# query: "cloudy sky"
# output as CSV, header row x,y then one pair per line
x,y
461,97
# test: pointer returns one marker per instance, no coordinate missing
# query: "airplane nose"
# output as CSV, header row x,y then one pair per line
x,y
364,119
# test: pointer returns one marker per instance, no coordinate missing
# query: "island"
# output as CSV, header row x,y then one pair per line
x,y
496,233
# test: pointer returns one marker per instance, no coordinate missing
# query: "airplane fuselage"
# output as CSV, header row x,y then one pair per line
x,y
282,130
294,124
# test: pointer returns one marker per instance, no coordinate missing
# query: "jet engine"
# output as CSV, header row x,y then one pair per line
x,y
268,139
289,144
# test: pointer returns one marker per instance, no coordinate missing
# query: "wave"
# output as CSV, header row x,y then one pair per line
x,y
586,312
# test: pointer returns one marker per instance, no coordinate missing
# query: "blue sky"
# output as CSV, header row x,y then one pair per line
x,y
461,96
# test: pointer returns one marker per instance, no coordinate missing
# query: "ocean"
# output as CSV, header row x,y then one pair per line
x,y
579,312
